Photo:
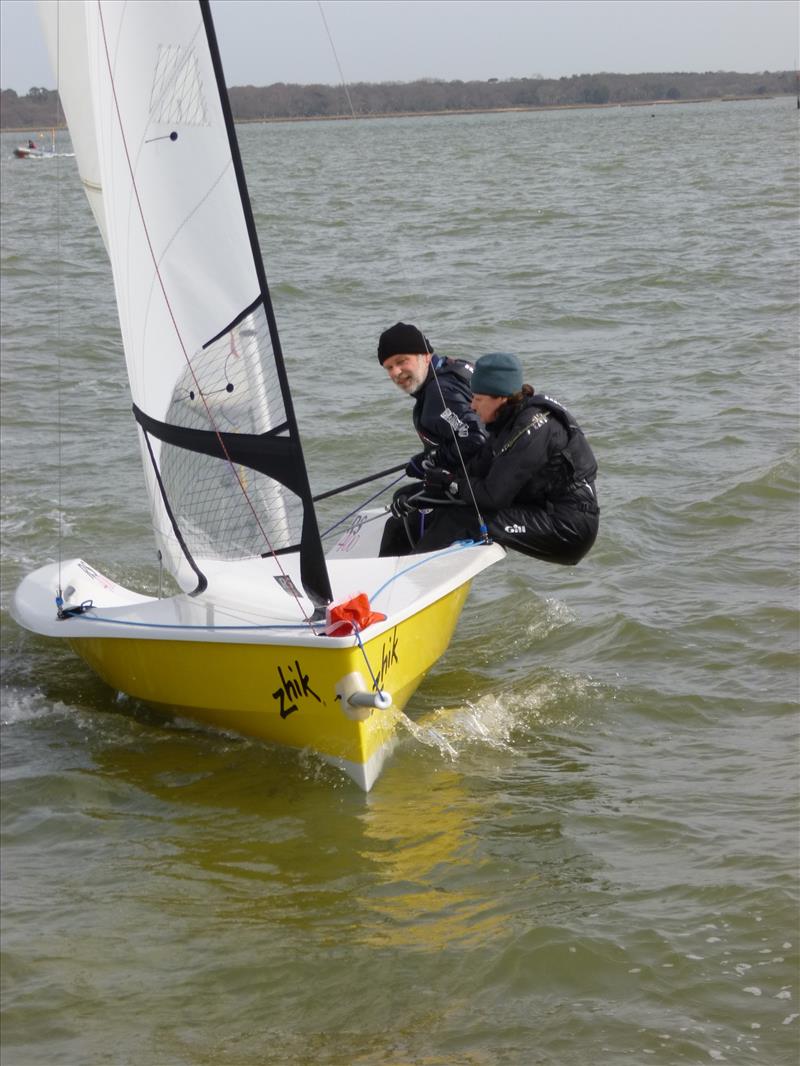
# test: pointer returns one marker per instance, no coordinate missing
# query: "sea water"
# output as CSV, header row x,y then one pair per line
x,y
585,849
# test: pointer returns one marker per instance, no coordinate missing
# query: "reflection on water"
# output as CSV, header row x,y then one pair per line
x,y
426,889
405,867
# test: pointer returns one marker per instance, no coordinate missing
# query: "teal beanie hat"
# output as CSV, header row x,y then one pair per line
x,y
497,374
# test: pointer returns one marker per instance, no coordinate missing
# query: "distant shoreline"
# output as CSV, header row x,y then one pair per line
x,y
463,111
506,110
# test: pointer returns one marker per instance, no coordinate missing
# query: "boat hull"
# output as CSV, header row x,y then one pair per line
x,y
286,694
247,656
32,153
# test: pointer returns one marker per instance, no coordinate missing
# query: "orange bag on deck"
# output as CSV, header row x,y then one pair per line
x,y
351,616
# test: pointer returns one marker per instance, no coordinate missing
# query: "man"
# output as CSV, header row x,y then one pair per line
x,y
448,428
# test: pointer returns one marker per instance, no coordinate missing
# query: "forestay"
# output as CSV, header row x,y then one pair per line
x,y
148,112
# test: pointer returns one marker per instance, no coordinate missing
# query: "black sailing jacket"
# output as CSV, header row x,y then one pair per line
x,y
535,454
433,421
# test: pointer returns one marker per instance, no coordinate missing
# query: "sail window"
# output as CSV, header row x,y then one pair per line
x,y
177,96
231,480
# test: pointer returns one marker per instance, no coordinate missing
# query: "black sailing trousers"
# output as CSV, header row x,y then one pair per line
x,y
561,531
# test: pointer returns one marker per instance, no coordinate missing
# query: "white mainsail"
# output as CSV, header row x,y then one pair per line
x,y
146,110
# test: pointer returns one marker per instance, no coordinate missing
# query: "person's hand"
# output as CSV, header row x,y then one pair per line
x,y
420,463
402,505
415,466
443,482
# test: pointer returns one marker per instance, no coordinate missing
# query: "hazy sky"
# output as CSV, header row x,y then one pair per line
x,y
264,41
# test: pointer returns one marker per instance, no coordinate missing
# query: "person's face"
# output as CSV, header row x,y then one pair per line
x,y
408,372
486,407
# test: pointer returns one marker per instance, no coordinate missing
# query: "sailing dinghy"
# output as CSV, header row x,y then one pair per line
x,y
250,644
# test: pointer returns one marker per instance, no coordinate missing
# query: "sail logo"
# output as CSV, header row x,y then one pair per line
x,y
388,658
99,578
292,689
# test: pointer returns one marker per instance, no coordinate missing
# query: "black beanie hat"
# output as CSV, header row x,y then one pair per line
x,y
402,339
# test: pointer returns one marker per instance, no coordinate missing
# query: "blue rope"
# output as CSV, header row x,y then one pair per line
x,y
205,629
459,545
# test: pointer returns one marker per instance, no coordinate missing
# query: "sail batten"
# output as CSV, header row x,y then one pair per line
x,y
158,156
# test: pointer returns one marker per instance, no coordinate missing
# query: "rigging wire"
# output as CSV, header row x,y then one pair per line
x,y
59,273
363,504
360,643
484,529
336,57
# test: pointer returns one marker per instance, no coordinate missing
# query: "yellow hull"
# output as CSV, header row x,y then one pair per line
x,y
284,693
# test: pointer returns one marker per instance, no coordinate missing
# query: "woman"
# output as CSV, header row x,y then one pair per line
x,y
532,482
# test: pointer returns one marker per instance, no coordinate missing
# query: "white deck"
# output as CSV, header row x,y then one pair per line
x,y
247,601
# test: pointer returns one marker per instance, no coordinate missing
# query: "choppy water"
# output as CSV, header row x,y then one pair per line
x,y
594,855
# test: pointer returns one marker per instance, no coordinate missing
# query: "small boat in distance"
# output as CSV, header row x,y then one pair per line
x,y
32,150
269,635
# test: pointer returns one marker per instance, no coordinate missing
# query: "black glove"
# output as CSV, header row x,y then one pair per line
x,y
415,467
402,504
421,462
441,482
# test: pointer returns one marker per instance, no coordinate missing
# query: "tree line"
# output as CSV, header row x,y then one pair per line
x,y
39,108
